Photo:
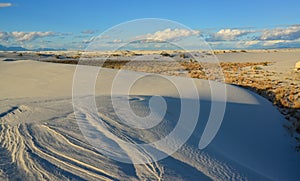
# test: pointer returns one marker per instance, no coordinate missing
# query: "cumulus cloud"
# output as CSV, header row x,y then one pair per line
x,y
169,35
228,38
289,33
24,36
28,36
274,38
228,34
3,5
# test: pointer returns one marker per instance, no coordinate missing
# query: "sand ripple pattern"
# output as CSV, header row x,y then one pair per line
x,y
51,147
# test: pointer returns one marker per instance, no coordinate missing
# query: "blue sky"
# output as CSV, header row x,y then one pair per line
x,y
223,24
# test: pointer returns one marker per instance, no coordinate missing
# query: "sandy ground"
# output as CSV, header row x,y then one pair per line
x,y
270,73
40,138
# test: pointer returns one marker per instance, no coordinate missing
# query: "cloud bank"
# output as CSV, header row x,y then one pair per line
x,y
289,33
229,34
226,38
278,37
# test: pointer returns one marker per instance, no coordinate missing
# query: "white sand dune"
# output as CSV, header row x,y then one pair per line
x,y
40,138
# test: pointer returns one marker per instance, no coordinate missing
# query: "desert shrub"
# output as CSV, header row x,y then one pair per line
x,y
184,55
256,68
164,53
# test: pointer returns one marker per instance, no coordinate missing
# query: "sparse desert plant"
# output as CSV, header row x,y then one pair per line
x,y
184,55
265,63
164,53
256,68
191,60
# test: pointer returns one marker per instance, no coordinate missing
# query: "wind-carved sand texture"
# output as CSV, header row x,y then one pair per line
x,y
40,138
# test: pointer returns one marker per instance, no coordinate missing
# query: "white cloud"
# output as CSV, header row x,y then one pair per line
x,y
272,42
229,38
289,33
25,36
229,34
274,38
169,35
3,5
28,36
